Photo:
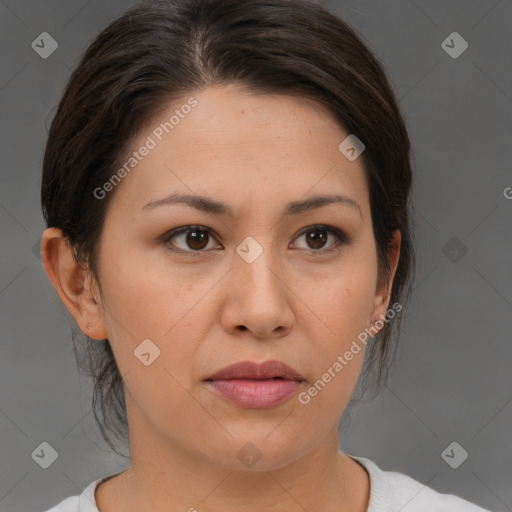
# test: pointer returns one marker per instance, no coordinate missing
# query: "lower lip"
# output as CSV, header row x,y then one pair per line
x,y
255,394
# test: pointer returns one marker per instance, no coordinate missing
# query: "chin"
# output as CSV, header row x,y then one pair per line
x,y
256,452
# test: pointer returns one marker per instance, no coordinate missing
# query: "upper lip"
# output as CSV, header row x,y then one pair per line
x,y
251,370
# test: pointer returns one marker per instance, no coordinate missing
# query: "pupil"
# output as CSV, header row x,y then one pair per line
x,y
192,241
317,241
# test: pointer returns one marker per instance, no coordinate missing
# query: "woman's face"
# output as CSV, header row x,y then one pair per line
x,y
260,284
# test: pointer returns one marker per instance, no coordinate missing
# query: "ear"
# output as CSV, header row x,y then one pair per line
x,y
383,289
75,285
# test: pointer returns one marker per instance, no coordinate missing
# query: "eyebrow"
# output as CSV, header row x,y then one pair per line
x,y
208,205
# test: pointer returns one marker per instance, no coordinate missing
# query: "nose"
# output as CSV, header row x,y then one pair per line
x,y
259,295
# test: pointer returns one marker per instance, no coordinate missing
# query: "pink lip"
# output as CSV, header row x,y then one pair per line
x,y
256,386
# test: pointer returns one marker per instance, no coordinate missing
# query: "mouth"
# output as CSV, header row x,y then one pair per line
x,y
251,385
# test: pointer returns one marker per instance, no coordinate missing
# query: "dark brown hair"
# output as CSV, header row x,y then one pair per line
x,y
161,50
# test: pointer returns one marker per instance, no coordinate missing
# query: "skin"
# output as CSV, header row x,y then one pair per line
x,y
255,153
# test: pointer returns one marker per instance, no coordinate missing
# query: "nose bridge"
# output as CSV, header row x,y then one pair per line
x,y
256,263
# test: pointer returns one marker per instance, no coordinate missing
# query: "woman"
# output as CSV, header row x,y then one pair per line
x,y
226,187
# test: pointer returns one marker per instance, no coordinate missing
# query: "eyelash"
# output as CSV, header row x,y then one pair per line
x,y
343,239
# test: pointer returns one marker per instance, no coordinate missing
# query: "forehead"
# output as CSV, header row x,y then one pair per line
x,y
242,148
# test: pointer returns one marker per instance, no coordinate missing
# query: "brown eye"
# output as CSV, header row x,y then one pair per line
x,y
197,239
191,238
316,238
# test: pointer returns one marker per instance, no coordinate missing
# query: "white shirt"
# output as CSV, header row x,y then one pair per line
x,y
389,492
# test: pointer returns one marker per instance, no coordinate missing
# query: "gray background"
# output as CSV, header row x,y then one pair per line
x,y
452,380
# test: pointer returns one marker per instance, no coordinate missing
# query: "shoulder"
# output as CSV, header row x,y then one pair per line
x,y
71,504
391,491
83,502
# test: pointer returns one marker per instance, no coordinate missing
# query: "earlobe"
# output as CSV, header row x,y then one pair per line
x,y
72,283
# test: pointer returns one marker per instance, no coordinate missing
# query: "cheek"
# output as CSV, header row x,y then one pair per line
x,y
344,306
338,355
148,302
144,299
344,301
